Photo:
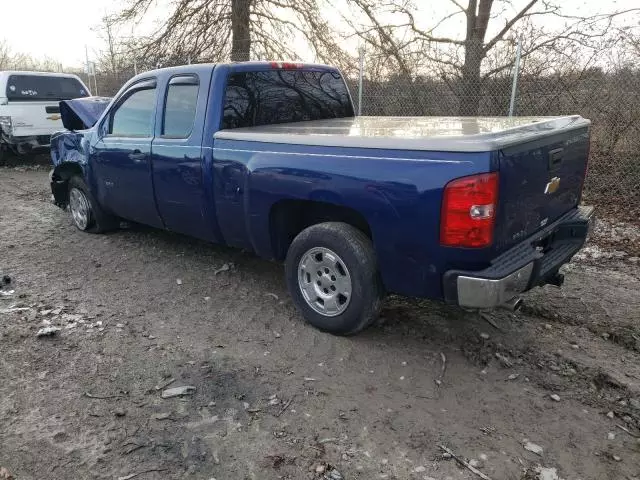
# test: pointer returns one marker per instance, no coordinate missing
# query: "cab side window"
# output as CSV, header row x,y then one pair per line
x,y
134,116
180,107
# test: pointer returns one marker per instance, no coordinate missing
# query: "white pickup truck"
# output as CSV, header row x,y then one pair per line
x,y
29,107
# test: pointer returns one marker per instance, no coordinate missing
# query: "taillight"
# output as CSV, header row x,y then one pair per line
x,y
6,126
287,65
469,211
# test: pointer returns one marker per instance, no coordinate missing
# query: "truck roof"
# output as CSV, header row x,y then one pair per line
x,y
451,134
236,66
5,74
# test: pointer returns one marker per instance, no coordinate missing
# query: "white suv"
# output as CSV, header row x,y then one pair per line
x,y
29,107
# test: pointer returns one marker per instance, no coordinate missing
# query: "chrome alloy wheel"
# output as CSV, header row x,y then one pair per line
x,y
324,281
80,208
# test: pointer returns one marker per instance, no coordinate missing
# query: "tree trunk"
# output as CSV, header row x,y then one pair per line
x,y
112,51
471,84
240,30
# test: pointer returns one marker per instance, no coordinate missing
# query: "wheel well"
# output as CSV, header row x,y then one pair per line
x,y
289,217
60,181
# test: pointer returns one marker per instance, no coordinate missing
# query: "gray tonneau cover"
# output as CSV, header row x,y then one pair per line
x,y
451,134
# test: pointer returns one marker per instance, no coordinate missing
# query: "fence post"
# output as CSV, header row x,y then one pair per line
x,y
360,75
516,71
95,78
87,65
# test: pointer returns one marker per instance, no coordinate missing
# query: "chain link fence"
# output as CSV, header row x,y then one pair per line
x,y
611,100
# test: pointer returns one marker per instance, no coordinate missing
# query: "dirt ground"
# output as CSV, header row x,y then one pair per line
x,y
142,310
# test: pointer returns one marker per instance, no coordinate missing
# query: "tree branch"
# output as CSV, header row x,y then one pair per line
x,y
457,4
508,25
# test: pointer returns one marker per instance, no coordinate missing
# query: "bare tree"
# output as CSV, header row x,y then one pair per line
x,y
112,53
632,38
10,60
4,55
215,30
463,57
240,30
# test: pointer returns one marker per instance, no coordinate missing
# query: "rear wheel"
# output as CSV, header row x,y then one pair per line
x,y
86,213
332,275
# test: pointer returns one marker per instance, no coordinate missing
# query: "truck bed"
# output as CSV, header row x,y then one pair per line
x,y
448,134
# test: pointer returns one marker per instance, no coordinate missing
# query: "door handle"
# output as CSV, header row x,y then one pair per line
x,y
137,156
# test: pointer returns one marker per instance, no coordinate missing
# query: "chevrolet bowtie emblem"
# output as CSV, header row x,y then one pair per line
x,y
552,186
54,117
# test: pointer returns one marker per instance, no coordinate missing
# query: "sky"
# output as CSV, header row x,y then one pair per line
x,y
56,29
65,26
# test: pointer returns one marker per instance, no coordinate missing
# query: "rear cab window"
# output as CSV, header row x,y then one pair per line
x,y
281,96
24,87
180,106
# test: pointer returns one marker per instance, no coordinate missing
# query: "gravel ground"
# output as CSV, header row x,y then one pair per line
x,y
142,310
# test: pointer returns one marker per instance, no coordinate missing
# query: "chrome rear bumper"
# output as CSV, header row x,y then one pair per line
x,y
476,292
533,262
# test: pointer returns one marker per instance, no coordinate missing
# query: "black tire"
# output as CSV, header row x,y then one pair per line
x,y
98,220
4,151
356,252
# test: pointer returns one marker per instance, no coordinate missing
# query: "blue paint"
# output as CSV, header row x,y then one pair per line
x,y
400,199
224,191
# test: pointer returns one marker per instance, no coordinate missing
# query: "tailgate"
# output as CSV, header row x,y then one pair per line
x,y
32,118
539,181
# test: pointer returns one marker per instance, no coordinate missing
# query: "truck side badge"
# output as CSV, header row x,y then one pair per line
x,y
552,186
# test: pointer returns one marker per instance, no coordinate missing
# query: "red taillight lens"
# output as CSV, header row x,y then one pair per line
x,y
469,211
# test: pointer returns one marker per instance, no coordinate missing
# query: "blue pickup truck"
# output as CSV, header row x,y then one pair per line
x,y
270,157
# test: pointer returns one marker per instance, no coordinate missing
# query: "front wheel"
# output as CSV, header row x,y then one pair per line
x,y
86,213
332,275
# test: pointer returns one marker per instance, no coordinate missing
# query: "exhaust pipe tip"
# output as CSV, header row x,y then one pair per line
x,y
512,305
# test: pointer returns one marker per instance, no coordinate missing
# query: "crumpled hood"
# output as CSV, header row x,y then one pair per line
x,y
68,146
82,113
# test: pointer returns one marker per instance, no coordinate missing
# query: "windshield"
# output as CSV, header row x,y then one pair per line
x,y
39,87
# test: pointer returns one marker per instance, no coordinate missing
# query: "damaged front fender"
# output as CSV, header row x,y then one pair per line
x,y
69,155
70,148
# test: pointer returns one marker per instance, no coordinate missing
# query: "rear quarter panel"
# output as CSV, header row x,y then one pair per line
x,y
398,192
